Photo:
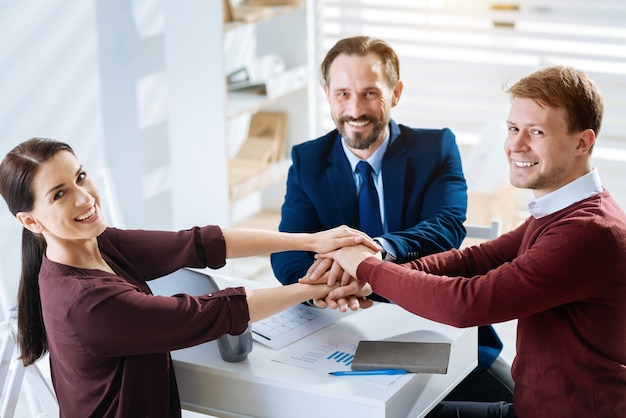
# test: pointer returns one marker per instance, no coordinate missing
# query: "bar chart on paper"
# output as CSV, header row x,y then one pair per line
x,y
326,351
341,357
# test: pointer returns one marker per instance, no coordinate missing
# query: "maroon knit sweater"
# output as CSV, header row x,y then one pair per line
x,y
564,277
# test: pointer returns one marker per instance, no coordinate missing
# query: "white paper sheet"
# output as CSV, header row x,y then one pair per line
x,y
284,328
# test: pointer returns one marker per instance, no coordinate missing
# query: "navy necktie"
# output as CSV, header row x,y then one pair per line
x,y
369,207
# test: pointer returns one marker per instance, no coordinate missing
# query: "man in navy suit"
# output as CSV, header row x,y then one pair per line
x,y
417,174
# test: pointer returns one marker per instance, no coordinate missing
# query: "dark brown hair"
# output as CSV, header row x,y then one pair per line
x,y
17,170
361,46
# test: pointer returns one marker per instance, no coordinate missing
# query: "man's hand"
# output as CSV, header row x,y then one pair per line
x,y
342,264
353,297
354,292
325,270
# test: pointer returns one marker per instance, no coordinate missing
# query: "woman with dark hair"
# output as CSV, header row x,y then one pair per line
x,y
83,294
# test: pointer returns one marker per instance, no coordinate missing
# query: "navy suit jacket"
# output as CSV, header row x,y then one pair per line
x,y
425,195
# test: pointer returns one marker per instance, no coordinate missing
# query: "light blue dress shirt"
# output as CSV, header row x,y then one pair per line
x,y
376,161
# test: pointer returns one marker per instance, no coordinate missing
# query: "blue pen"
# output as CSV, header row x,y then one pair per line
x,y
368,372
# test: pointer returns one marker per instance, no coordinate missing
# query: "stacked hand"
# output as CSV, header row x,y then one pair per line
x,y
340,266
341,236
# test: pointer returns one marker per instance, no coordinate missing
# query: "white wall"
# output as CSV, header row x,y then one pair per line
x,y
49,76
49,87
89,73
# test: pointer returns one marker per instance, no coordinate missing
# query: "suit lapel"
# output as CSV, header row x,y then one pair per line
x,y
394,178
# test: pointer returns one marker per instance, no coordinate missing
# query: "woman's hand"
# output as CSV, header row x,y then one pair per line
x,y
353,292
341,236
348,258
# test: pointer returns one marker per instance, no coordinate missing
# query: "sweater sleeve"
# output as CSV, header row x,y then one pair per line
x,y
481,286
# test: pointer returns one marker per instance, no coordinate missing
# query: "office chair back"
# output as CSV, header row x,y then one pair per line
x,y
484,232
15,379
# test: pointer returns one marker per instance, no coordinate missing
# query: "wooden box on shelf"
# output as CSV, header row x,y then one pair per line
x,y
257,10
271,2
228,13
252,167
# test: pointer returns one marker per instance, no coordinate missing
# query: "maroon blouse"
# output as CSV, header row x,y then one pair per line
x,y
110,338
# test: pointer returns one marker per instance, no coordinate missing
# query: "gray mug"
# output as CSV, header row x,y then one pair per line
x,y
235,348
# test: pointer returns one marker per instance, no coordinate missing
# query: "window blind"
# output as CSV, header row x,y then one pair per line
x,y
456,56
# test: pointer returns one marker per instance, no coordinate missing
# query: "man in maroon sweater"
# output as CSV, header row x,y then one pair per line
x,y
562,273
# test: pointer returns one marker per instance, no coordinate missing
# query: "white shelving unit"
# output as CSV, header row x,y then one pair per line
x,y
201,50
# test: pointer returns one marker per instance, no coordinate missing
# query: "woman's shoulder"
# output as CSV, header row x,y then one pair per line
x,y
60,285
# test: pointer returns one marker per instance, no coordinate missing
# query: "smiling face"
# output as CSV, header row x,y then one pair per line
x,y
360,100
66,202
542,155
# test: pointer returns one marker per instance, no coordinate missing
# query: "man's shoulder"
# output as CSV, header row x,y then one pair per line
x,y
424,133
327,138
597,216
315,148
421,140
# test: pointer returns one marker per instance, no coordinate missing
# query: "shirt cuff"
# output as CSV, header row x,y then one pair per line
x,y
387,253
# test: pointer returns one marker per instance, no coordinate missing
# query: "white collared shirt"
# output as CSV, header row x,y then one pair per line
x,y
575,191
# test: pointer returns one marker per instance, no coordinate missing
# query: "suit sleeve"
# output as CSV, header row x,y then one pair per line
x,y
443,209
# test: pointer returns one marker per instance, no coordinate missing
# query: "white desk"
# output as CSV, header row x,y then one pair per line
x,y
260,387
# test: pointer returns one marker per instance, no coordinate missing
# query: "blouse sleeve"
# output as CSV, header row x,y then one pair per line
x,y
118,319
152,254
117,315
